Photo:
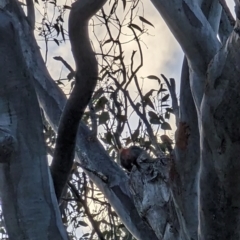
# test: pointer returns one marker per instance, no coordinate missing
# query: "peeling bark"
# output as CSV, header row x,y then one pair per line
x,y
149,185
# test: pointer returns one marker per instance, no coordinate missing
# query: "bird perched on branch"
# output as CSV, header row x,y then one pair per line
x,y
129,156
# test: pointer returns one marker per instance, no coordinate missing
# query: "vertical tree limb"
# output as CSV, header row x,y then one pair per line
x,y
85,82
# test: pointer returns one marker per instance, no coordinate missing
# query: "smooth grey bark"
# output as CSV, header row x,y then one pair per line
x,y
213,12
225,27
26,189
185,170
220,144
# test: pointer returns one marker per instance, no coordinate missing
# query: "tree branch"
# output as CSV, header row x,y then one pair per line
x,y
85,82
196,37
227,12
31,13
225,28
186,164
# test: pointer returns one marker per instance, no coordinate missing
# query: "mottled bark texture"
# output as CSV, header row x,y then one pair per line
x,y
220,144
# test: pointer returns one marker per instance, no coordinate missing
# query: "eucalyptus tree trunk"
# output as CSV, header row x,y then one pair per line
x,y
27,196
194,195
